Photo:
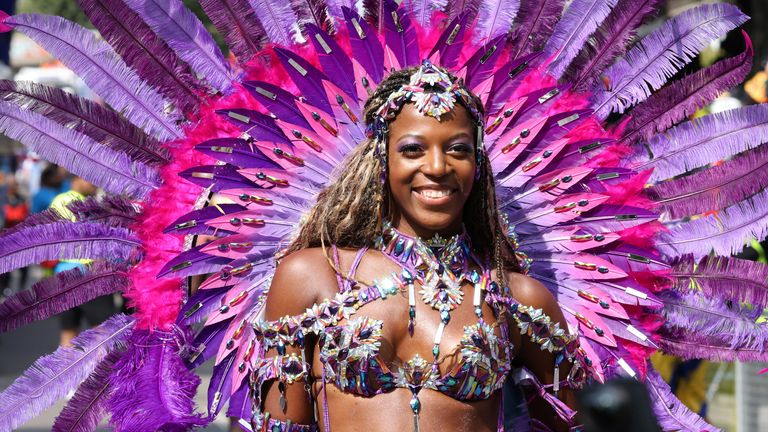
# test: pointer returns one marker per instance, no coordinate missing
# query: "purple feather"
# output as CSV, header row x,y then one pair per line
x,y
221,177
199,307
206,343
400,36
152,389
278,20
185,34
450,42
88,407
366,47
335,62
494,19
220,387
103,71
113,171
278,101
682,98
143,51
313,12
708,328
714,188
185,225
723,278
702,141
671,414
61,292
240,403
726,232
579,22
242,154
535,21
191,262
610,40
469,8
64,240
306,77
422,10
661,54
87,117
236,22
110,210
51,377
482,63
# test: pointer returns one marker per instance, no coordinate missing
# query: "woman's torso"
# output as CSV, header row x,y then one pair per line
x,y
472,403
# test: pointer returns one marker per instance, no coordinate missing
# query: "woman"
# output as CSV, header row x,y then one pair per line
x,y
583,149
435,184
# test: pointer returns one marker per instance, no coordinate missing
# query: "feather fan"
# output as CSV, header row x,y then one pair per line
x,y
114,171
579,21
658,56
185,34
88,407
725,232
236,22
51,377
101,69
152,389
64,240
610,40
495,19
722,278
143,51
87,117
702,141
671,414
701,327
61,292
683,97
714,188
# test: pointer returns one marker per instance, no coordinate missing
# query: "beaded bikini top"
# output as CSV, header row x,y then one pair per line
x,y
349,343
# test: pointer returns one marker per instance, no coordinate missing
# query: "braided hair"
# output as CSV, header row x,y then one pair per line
x,y
350,211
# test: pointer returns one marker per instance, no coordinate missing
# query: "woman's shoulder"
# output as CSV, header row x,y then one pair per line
x,y
301,279
530,292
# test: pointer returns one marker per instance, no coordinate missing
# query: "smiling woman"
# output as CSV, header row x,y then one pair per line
x,y
440,236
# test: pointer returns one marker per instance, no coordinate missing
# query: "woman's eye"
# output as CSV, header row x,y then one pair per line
x,y
410,149
462,148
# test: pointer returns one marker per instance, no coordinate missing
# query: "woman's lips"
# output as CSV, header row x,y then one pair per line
x,y
434,196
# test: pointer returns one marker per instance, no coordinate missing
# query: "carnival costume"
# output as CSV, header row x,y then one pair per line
x,y
617,203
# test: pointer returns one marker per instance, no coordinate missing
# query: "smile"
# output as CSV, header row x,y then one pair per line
x,y
434,195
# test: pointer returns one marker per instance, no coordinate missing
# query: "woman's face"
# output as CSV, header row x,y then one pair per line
x,y
431,170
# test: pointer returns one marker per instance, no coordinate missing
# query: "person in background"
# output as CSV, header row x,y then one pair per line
x,y
99,309
52,183
15,209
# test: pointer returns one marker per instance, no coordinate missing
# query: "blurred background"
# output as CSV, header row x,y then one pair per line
x,y
731,396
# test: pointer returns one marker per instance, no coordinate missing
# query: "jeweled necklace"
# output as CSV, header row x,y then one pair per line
x,y
441,267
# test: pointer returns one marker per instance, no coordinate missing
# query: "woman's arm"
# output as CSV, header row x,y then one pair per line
x,y
301,280
529,354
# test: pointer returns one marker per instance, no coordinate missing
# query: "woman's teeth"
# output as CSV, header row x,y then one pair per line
x,y
431,193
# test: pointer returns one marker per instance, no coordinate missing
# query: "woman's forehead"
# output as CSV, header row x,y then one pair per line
x,y
410,121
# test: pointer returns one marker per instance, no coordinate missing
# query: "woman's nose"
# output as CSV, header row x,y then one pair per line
x,y
436,164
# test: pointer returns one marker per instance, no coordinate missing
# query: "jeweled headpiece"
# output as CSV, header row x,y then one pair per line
x,y
434,93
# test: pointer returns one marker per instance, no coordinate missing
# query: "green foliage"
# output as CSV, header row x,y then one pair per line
x,y
68,9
